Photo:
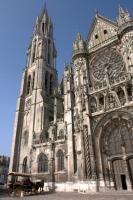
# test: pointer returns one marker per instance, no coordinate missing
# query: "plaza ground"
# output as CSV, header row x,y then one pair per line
x,y
123,195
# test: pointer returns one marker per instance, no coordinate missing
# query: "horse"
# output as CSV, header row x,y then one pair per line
x,y
39,185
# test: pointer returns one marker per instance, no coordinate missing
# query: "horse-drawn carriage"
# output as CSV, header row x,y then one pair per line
x,y
23,185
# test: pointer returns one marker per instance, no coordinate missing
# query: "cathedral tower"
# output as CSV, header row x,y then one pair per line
x,y
79,135
35,106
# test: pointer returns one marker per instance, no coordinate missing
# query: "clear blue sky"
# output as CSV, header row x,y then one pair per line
x,y
17,18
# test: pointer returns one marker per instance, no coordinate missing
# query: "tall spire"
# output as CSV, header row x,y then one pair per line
x,y
123,16
44,25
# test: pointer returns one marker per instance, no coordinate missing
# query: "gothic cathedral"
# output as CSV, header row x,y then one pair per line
x,y
78,135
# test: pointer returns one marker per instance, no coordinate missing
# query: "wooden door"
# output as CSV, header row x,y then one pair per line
x,y
119,174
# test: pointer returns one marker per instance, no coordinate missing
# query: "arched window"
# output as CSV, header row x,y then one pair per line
x,y
34,53
24,165
60,160
101,101
42,163
129,91
49,44
46,82
51,79
43,27
61,134
54,133
33,80
25,138
28,84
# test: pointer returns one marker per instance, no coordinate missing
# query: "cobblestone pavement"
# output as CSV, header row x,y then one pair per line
x,y
76,196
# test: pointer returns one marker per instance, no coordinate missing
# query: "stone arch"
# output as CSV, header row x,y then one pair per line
x,y
108,116
25,137
61,134
60,160
113,139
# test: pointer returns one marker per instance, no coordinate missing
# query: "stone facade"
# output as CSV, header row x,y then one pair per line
x,y
78,135
4,167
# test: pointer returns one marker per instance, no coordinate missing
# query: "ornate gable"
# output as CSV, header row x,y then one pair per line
x,y
102,31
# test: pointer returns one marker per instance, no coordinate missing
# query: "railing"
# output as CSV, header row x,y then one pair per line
x,y
45,141
114,82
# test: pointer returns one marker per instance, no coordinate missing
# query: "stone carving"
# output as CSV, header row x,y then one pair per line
x,y
95,91
112,100
79,43
127,43
77,122
80,63
106,66
116,137
83,94
28,104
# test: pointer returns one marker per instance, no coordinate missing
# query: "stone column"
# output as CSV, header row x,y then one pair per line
x,y
126,95
55,110
52,165
97,100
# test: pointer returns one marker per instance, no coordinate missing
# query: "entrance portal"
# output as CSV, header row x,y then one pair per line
x,y
117,141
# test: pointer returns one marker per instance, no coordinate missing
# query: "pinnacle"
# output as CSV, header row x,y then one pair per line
x,y
121,10
123,16
45,13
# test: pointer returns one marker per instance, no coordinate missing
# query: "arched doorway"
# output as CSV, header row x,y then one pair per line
x,y
119,174
115,138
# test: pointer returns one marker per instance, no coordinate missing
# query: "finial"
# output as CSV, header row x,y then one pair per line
x,y
45,7
121,9
78,37
44,11
96,12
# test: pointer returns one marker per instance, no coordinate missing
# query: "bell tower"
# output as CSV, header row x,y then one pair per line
x,y
35,106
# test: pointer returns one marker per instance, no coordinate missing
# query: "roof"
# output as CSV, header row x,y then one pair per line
x,y
98,16
19,174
